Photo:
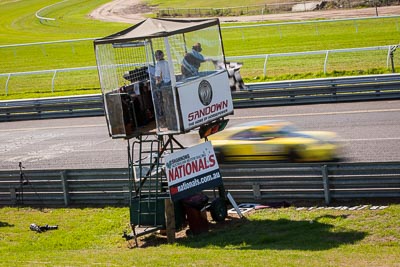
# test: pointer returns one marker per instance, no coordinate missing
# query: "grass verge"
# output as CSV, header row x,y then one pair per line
x,y
269,237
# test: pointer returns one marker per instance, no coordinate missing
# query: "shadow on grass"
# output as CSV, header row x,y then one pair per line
x,y
279,234
5,224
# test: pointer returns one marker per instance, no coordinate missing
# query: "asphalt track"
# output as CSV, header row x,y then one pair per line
x,y
369,132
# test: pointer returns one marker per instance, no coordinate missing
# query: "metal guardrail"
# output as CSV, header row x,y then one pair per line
x,y
360,88
328,90
65,187
327,182
323,182
51,108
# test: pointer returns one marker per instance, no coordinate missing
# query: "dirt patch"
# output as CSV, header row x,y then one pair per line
x,y
128,11
157,239
139,9
320,14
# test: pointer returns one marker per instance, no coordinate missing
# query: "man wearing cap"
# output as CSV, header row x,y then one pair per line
x,y
192,60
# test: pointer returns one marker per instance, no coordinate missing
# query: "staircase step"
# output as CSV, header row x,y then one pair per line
x,y
143,230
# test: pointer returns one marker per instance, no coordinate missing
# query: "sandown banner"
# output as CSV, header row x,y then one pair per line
x,y
205,100
192,170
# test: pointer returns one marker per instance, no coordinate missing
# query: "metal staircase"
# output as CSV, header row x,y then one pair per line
x,y
148,182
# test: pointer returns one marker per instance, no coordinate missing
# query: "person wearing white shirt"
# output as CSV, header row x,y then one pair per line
x,y
161,73
164,101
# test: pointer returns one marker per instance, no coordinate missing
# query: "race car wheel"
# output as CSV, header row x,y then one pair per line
x,y
293,156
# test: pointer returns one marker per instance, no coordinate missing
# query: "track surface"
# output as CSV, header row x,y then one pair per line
x,y
130,11
369,131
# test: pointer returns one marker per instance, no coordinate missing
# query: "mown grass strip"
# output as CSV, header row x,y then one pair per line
x,y
273,237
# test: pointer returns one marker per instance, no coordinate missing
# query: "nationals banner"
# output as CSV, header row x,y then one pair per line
x,y
192,170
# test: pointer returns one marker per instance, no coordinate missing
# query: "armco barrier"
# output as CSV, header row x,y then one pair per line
x,y
65,187
316,91
360,88
246,183
315,181
51,108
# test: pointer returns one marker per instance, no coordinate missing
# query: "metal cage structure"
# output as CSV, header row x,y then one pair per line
x,y
194,90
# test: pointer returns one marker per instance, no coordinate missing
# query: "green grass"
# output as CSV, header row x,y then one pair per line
x,y
270,237
18,25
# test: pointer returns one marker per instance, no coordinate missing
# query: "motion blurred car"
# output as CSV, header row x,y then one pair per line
x,y
273,141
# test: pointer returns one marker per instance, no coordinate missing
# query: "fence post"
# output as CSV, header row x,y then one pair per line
x,y
8,79
126,194
256,191
326,60
13,196
356,26
390,57
52,81
265,65
64,182
325,180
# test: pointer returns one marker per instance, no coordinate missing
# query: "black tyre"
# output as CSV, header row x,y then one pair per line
x,y
293,156
218,210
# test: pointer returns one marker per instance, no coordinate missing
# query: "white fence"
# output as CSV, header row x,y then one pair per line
x,y
44,9
389,48
19,79
389,62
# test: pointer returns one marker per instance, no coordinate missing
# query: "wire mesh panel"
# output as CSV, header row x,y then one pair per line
x,y
124,78
168,71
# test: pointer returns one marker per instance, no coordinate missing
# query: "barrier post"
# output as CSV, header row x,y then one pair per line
x,y
65,187
325,180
